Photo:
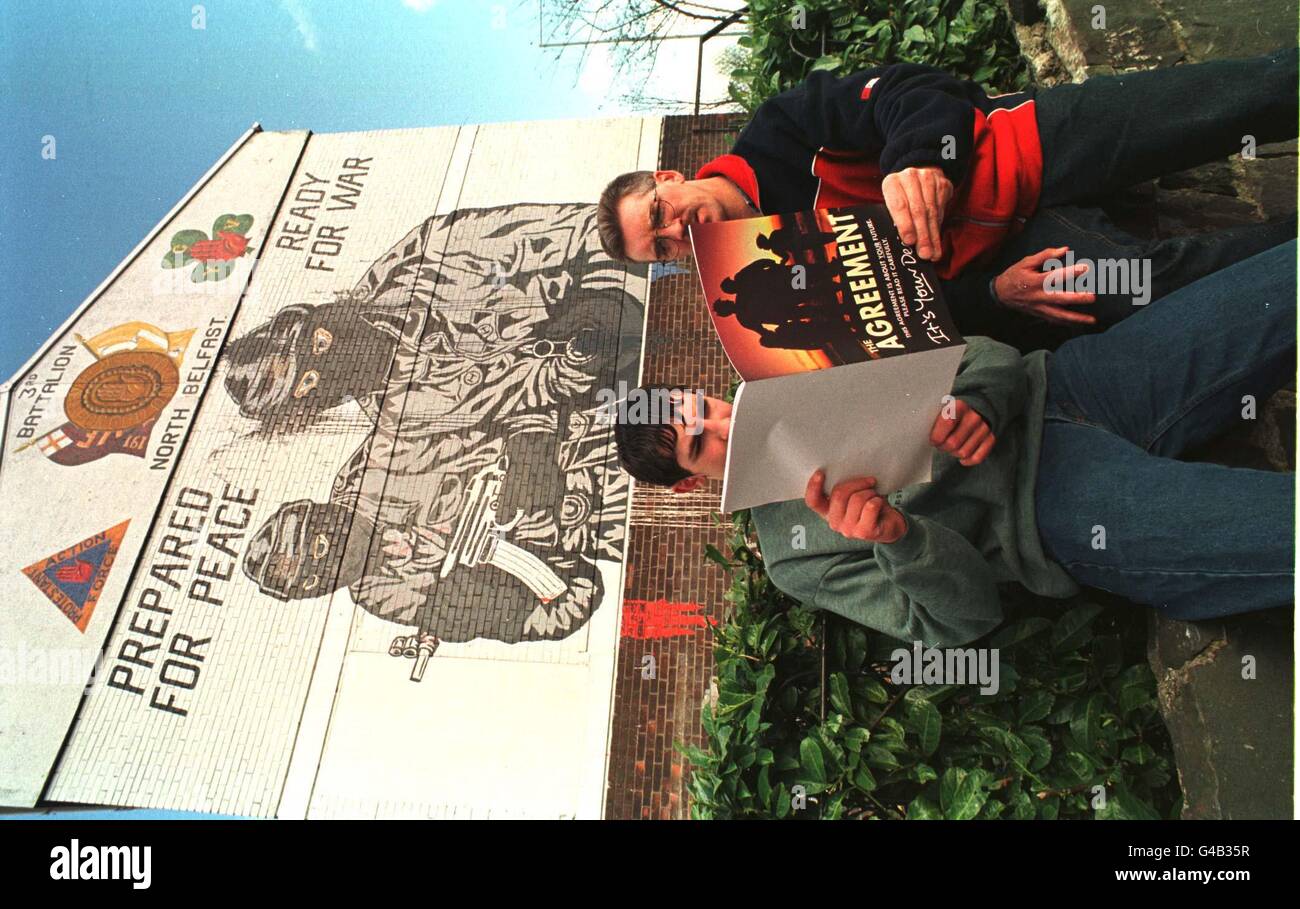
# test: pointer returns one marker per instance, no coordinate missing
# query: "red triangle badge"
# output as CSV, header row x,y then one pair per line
x,y
74,577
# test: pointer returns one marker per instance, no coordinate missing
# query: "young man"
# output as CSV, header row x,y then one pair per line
x,y
1053,470
984,185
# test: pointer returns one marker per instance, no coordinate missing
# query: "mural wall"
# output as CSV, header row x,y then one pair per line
x,y
377,570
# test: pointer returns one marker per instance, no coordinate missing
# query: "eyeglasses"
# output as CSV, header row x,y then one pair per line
x,y
657,222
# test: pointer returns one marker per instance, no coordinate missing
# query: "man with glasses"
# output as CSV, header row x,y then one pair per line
x,y
989,188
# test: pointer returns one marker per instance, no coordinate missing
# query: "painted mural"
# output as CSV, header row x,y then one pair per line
x,y
215,256
341,490
73,578
95,425
113,404
479,504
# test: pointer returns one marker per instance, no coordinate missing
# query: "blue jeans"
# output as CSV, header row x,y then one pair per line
x,y
1090,234
1111,132
1114,507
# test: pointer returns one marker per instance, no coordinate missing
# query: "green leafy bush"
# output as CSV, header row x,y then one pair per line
x,y
804,699
969,38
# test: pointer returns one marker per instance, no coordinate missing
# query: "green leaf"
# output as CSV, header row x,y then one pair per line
x,y
1074,680
1036,705
863,779
1040,746
855,737
1049,808
890,728
935,694
871,690
952,778
1133,697
928,724
966,796
696,756
729,701
1018,751
831,751
1138,754
1156,775
922,809
914,34
711,552
879,756
992,810
1137,674
835,807
1073,629
840,698
1079,765
987,720
1022,805
1063,712
781,801
1124,805
828,62
922,773
1087,721
812,762
1019,631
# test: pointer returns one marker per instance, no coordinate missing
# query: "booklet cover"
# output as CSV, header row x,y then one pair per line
x,y
846,348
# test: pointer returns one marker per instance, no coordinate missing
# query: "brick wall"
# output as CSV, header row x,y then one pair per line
x,y
671,590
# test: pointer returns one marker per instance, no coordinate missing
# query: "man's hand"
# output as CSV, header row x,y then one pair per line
x,y
964,434
1023,287
855,509
917,198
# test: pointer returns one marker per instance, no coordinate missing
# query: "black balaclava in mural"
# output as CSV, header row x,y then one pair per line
x,y
305,360
308,549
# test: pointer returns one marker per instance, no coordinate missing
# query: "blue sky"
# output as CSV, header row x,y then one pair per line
x,y
140,104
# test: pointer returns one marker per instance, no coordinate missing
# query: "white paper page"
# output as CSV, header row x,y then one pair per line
x,y
859,419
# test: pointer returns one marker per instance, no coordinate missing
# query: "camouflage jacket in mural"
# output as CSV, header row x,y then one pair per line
x,y
413,491
475,347
505,312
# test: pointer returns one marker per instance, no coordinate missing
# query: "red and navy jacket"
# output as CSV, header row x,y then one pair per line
x,y
830,141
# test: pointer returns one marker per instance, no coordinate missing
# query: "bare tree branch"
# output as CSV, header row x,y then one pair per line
x,y
677,9
629,32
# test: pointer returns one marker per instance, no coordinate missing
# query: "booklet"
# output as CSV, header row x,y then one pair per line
x,y
844,345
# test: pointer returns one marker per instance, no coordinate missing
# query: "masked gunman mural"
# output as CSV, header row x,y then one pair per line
x,y
489,487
